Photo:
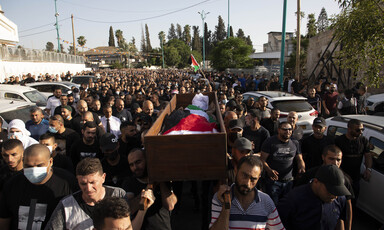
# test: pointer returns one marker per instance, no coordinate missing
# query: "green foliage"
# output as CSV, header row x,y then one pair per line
x,y
172,32
322,21
291,63
360,28
120,38
230,31
147,39
311,26
240,34
70,50
143,44
177,53
111,41
187,35
117,65
132,46
220,33
196,40
208,40
49,46
171,56
231,53
179,32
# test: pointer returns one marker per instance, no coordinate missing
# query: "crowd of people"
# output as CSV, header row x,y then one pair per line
x,y
80,163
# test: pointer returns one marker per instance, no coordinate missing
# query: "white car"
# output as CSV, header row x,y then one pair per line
x,y
46,88
375,103
23,93
370,198
10,110
287,102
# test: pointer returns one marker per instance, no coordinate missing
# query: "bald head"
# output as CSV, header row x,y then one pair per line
x,y
148,107
82,106
37,150
87,116
292,118
229,115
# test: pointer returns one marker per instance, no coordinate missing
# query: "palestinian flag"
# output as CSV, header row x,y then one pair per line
x,y
194,63
192,124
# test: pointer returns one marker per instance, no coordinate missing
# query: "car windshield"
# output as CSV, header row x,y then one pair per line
x,y
36,97
81,79
287,106
21,113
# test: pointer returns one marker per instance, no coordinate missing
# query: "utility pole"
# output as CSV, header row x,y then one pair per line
x,y
73,35
228,30
57,28
298,40
283,45
162,48
203,16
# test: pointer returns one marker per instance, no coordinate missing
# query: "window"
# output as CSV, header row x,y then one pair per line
x,y
378,156
36,97
43,88
287,106
335,131
13,96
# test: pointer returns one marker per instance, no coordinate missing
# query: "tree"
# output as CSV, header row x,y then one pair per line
x,y
171,56
162,38
230,31
111,41
179,32
172,32
220,33
182,56
119,37
208,40
359,27
132,46
187,35
240,34
49,46
70,50
231,53
147,39
322,21
81,41
143,44
311,26
291,63
196,42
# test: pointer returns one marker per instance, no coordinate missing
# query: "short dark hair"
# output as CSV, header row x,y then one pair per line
x,y
89,166
114,207
284,123
12,143
35,109
252,160
255,114
89,124
107,106
47,136
353,122
58,118
332,149
126,124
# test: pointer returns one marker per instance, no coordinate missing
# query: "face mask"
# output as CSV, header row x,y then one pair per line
x,y
224,101
50,149
35,174
15,135
52,129
67,117
138,127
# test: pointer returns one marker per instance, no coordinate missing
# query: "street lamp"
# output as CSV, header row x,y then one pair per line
x,y
203,16
57,28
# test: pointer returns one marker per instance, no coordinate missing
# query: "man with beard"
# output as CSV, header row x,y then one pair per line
x,y
114,165
158,215
272,122
313,145
297,132
37,125
87,116
318,205
329,102
53,101
12,152
88,146
253,131
250,208
264,111
129,139
120,112
82,107
277,154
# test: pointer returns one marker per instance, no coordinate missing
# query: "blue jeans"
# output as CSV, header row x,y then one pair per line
x,y
277,189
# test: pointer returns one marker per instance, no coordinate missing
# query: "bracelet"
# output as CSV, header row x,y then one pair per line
x,y
369,169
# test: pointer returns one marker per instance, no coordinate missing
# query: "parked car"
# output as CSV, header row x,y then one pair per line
x,y
12,109
287,102
46,88
23,93
83,79
375,103
371,192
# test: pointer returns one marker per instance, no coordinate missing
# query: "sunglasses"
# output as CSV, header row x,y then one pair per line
x,y
359,130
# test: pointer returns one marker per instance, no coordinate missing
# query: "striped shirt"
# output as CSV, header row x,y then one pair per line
x,y
261,214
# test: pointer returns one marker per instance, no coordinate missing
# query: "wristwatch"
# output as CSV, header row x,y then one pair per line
x,y
369,169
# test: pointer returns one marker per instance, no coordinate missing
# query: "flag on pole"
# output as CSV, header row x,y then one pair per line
x,y
194,63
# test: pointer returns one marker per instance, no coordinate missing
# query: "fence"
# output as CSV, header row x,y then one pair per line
x,y
14,54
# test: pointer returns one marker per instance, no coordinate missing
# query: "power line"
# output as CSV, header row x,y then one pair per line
x,y
148,18
37,33
42,26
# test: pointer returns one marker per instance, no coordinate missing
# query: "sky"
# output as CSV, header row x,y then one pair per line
x,y
92,18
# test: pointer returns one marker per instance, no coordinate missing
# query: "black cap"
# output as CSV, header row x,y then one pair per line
x,y
235,124
108,142
333,179
319,121
242,143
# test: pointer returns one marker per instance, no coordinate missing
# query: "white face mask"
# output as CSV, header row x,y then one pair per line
x,y
35,174
15,135
50,149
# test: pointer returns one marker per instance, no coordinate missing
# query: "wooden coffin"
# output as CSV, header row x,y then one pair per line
x,y
185,157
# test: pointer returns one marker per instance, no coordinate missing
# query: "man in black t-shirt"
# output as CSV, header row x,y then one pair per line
x,y
313,145
253,131
88,146
129,139
272,122
29,199
12,152
65,137
75,211
115,165
277,154
354,146
158,215
82,107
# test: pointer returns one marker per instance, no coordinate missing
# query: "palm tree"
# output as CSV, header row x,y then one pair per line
x,y
81,40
